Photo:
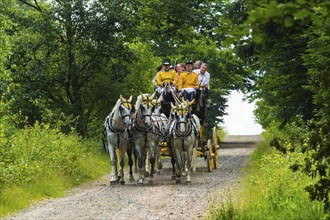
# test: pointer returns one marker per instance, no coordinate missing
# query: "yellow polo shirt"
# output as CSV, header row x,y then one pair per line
x,y
163,76
188,80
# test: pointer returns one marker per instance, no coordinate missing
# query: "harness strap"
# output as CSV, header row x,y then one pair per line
x,y
145,139
118,141
109,125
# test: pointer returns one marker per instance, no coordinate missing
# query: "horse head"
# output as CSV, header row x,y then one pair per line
x,y
182,114
167,94
125,110
157,106
144,107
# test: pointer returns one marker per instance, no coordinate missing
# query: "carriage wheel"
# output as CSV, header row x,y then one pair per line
x,y
209,156
215,148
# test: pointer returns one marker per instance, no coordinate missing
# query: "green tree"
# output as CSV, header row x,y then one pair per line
x,y
286,43
61,51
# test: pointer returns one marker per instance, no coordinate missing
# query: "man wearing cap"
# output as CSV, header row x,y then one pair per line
x,y
188,82
166,77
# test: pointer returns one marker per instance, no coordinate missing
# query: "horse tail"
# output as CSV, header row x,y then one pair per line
x,y
104,140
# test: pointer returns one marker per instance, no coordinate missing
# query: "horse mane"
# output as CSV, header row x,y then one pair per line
x,y
116,107
138,102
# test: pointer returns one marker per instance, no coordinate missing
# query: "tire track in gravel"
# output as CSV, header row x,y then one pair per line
x,y
162,200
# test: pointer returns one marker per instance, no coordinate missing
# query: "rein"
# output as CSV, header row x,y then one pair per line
x,y
175,96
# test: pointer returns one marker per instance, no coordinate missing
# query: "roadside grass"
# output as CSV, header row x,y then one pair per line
x,y
269,190
39,163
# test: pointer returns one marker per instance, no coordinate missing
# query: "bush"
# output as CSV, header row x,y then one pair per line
x,y
273,191
43,162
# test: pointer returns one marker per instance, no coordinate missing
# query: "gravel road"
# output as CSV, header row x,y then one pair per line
x,y
162,200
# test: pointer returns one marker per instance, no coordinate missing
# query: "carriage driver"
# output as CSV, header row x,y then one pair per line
x,y
166,77
188,82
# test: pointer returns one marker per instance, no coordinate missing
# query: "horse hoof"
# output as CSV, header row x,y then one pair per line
x,y
122,182
131,180
146,174
151,181
113,182
160,165
173,177
140,182
178,181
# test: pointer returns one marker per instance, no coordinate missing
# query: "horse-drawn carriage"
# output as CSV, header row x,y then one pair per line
x,y
154,127
206,148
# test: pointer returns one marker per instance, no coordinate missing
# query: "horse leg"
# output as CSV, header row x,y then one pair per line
x,y
136,169
189,155
158,163
141,162
152,162
113,163
130,163
172,159
178,154
194,160
184,163
122,165
147,166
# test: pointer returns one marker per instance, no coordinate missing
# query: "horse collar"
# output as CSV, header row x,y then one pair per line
x,y
110,126
187,132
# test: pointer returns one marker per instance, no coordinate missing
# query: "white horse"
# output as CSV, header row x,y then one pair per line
x,y
159,122
117,131
144,135
184,129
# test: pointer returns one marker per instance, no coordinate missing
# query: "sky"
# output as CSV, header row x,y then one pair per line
x,y
240,119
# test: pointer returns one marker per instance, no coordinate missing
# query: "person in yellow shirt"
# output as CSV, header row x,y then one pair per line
x,y
166,77
188,82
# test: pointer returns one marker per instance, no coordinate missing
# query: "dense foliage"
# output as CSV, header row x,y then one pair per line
x,y
38,162
286,43
271,190
73,59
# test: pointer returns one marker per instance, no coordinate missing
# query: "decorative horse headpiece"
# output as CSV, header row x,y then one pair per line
x,y
157,102
182,108
126,103
147,100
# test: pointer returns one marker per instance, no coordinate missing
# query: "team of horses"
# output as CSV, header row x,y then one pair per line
x,y
137,129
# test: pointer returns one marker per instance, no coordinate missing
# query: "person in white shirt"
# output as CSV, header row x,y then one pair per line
x,y
204,82
203,78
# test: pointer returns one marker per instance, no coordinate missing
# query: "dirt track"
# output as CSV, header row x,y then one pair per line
x,y
162,200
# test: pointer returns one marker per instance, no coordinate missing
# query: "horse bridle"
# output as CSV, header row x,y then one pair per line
x,y
121,114
128,104
188,132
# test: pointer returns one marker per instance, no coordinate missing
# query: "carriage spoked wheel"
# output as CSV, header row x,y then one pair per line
x,y
215,148
209,156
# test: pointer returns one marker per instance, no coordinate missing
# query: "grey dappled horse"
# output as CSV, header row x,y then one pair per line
x,y
144,134
184,130
118,136
160,123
